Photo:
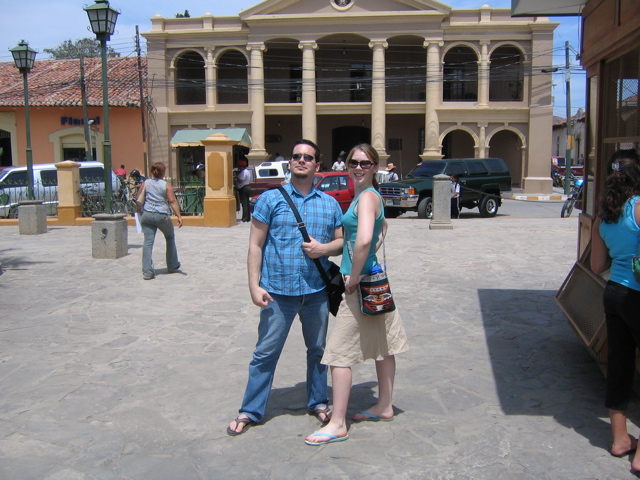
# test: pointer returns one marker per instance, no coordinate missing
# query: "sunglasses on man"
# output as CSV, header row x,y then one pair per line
x,y
306,156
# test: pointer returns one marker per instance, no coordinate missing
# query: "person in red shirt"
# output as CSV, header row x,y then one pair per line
x,y
121,172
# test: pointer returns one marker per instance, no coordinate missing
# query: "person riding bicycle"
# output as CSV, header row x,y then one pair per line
x,y
134,182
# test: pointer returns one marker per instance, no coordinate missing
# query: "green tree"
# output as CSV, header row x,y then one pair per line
x,y
88,47
183,15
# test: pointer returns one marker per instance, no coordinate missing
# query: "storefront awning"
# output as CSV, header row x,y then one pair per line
x,y
191,138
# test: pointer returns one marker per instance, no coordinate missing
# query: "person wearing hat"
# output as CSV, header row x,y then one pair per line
x,y
392,173
244,190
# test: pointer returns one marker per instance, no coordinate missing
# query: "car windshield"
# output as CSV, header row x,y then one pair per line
x,y
317,180
426,169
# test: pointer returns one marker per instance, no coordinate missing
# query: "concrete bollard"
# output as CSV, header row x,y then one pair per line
x,y
32,217
441,203
109,236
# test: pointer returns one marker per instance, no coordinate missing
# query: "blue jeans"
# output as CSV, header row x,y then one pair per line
x,y
151,222
275,323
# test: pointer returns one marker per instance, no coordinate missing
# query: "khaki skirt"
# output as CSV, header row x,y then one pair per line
x,y
356,337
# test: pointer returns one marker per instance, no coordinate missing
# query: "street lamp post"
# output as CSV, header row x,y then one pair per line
x,y
103,23
24,58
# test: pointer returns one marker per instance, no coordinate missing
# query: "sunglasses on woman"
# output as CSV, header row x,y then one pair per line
x,y
307,157
364,164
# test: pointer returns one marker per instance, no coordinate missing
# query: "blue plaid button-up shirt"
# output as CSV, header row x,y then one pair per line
x,y
286,269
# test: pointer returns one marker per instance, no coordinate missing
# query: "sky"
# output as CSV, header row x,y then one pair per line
x,y
35,21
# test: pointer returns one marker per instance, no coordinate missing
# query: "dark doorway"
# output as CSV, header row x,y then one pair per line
x,y
5,149
344,139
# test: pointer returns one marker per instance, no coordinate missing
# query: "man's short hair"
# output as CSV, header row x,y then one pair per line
x,y
311,144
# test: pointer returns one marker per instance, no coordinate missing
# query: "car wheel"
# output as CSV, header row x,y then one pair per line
x,y
488,206
391,213
13,212
425,208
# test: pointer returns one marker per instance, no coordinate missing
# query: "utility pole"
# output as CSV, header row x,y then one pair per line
x,y
567,78
88,155
143,104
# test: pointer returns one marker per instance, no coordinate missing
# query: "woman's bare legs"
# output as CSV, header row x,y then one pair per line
x,y
341,379
386,370
622,442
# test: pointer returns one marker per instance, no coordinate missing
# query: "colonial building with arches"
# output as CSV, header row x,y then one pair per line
x,y
415,78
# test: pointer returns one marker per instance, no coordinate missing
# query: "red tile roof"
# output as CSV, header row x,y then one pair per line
x,y
54,83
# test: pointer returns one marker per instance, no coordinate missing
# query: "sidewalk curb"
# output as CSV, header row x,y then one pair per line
x,y
540,197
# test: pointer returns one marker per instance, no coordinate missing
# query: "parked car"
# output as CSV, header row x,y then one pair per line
x,y
336,184
13,185
559,167
481,179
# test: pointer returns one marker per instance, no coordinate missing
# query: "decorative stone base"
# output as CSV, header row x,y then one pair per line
x,y
219,211
32,217
109,236
68,215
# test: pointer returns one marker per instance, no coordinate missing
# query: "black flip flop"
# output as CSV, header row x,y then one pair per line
x,y
248,423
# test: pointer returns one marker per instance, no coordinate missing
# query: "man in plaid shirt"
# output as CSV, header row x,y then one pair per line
x,y
284,282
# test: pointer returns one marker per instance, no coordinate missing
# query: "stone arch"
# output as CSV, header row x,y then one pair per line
x,y
459,141
8,139
506,73
233,76
460,73
190,78
509,145
344,63
473,47
74,136
405,69
283,71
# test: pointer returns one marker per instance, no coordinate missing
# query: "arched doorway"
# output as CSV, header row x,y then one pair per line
x,y
458,144
5,149
345,138
507,145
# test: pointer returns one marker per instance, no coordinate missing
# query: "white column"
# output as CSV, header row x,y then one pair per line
x,y
211,79
378,99
256,98
432,149
483,75
309,118
482,140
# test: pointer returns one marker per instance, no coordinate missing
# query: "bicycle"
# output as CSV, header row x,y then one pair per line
x,y
575,197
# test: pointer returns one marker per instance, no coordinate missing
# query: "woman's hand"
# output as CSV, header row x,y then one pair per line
x,y
350,286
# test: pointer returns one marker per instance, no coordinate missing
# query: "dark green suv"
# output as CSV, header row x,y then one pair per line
x,y
481,182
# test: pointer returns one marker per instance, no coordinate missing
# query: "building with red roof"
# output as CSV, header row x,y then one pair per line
x,y
57,119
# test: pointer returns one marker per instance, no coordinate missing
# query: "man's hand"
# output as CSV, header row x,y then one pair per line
x,y
260,297
314,249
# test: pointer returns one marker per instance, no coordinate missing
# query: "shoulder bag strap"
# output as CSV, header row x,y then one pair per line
x,y
305,234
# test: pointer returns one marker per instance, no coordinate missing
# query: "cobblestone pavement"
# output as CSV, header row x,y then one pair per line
x,y
107,376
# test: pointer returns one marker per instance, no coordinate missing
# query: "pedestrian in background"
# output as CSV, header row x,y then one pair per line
x,y
357,337
455,195
616,235
159,200
121,172
284,282
244,190
393,176
339,165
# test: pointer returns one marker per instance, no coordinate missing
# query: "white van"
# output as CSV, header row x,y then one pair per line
x,y
13,185
272,169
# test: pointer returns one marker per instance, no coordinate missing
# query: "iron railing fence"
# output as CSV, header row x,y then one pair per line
x,y
13,192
